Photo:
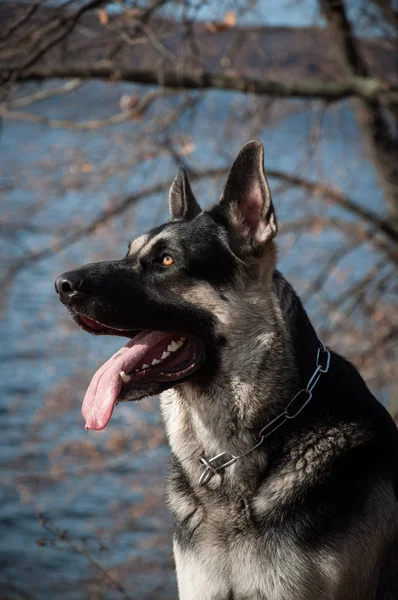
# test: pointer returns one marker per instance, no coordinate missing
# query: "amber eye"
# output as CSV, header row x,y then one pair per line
x,y
167,260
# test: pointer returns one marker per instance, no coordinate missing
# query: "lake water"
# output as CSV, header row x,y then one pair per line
x,y
101,494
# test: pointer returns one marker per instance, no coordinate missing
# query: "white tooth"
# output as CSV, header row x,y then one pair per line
x,y
165,355
173,346
182,339
179,344
144,366
125,378
155,362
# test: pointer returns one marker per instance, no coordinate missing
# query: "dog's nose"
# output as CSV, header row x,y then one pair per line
x,y
68,285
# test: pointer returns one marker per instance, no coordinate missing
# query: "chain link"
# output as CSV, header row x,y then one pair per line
x,y
292,410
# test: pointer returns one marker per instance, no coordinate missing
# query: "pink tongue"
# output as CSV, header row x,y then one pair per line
x,y
100,398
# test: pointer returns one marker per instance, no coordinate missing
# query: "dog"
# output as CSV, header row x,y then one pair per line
x,y
284,476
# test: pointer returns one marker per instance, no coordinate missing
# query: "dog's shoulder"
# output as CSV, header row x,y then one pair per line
x,y
338,466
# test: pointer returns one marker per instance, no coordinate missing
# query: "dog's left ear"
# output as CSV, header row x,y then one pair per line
x,y
182,202
246,199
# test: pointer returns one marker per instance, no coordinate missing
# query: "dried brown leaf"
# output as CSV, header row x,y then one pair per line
x,y
103,16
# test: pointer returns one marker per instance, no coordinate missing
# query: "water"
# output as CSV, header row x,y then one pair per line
x,y
81,511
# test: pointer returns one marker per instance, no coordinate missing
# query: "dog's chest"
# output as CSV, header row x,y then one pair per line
x,y
222,552
228,558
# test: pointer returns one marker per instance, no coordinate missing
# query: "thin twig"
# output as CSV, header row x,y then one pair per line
x,y
63,537
90,125
43,94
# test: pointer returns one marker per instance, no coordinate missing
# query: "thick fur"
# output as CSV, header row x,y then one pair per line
x,y
312,514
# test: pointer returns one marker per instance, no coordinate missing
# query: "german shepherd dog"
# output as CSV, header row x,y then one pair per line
x,y
284,476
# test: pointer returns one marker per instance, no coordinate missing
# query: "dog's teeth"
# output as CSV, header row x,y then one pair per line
x,y
144,366
180,343
165,355
155,362
124,377
173,346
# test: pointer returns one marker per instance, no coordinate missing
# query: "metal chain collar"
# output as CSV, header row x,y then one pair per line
x,y
292,410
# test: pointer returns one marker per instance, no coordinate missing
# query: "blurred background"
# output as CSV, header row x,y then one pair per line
x,y
99,104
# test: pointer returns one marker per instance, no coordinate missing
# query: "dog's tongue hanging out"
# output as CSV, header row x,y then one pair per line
x,y
105,386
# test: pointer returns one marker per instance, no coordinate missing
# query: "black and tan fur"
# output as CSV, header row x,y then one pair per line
x,y
313,513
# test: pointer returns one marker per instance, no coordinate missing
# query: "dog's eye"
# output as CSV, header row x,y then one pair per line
x,y
167,260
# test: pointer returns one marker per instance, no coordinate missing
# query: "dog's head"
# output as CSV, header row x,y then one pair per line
x,y
171,294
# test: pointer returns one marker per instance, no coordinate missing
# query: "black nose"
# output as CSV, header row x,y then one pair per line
x,y
68,285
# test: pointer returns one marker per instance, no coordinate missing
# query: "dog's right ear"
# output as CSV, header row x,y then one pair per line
x,y
246,200
182,202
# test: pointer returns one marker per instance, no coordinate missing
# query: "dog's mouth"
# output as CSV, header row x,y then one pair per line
x,y
151,362
98,328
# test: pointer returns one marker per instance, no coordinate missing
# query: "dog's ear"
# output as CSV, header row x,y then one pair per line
x,y
246,200
182,202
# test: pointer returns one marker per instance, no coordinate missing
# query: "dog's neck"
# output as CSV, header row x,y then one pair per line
x,y
271,349
299,327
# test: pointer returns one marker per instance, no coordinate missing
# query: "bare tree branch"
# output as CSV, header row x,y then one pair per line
x,y
61,28
93,124
390,336
389,10
66,240
337,197
44,94
21,20
127,48
368,88
327,269
383,146
316,188
61,537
